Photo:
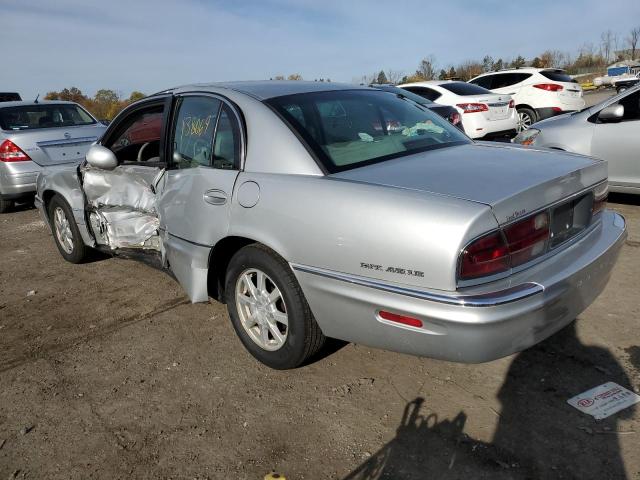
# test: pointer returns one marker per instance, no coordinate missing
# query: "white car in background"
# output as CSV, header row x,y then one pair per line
x,y
539,93
483,113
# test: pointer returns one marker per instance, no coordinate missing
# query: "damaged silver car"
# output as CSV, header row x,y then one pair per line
x,y
319,210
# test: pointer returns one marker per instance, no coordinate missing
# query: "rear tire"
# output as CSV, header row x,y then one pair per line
x,y
261,293
526,118
5,205
65,231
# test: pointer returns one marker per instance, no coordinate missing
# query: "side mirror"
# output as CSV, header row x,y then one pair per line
x,y
612,113
101,157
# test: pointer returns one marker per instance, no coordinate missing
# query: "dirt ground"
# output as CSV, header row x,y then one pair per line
x,y
107,371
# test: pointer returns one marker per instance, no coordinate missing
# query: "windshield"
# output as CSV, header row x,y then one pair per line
x,y
351,128
26,117
464,89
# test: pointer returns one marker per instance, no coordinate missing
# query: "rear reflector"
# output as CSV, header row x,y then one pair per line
x,y
549,87
394,317
473,107
10,152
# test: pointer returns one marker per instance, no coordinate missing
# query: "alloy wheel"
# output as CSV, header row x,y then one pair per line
x,y
262,310
62,228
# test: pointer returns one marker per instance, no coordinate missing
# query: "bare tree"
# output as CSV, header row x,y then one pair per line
x,y
427,68
607,41
394,76
633,41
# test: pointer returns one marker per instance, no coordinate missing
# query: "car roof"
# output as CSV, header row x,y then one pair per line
x,y
523,70
266,89
22,103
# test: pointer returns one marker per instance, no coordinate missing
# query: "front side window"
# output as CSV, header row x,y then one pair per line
x,y
351,128
484,82
137,136
193,132
27,117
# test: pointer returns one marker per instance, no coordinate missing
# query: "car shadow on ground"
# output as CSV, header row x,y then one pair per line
x,y
538,434
625,198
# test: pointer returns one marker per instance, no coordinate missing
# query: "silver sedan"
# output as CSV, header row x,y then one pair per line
x,y
319,210
36,134
609,130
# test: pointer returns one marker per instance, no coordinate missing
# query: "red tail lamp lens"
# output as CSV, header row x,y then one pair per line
x,y
10,152
486,256
527,238
512,104
549,87
403,319
473,107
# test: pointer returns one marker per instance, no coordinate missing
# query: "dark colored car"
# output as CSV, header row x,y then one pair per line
x,y
445,111
622,85
9,97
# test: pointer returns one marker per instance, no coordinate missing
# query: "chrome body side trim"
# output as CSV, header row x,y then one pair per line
x,y
500,297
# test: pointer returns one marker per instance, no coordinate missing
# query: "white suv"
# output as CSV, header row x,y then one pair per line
x,y
539,93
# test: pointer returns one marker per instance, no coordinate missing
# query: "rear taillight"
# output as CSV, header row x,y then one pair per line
x,y
486,256
10,152
527,239
519,242
549,87
473,107
454,118
512,104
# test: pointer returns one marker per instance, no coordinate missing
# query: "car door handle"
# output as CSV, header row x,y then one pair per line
x,y
215,197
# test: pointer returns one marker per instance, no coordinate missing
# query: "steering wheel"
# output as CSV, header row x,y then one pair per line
x,y
139,159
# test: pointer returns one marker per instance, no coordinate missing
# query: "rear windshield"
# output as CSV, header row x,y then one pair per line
x,y
27,117
351,128
406,93
557,76
464,89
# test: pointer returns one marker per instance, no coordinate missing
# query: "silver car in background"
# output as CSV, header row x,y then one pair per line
x,y
609,130
37,134
320,210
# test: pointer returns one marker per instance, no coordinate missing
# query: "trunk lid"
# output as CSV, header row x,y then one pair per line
x,y
512,180
498,105
55,146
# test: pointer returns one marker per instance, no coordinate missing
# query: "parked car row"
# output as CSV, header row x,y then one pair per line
x,y
319,210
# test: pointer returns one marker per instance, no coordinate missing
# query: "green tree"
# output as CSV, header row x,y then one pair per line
x,y
382,78
487,63
498,64
452,73
519,62
135,96
536,62
443,75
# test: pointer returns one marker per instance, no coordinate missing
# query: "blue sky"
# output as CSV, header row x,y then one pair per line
x,y
150,45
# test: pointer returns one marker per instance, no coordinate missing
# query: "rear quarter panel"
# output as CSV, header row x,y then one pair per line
x,y
386,233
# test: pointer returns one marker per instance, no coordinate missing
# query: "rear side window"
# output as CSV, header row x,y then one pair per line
x,y
464,89
424,92
27,117
194,130
557,76
9,97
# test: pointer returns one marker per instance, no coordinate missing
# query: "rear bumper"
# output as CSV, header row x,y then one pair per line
x,y
17,185
474,325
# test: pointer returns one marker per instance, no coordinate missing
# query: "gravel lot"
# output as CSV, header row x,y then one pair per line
x,y
107,371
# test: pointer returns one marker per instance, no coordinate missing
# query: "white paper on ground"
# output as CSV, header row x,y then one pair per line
x,y
604,400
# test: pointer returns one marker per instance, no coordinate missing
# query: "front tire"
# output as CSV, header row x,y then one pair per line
x,y
526,118
268,309
65,231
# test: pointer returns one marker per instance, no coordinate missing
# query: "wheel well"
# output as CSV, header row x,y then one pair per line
x,y
219,259
524,105
47,195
